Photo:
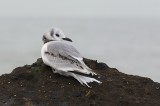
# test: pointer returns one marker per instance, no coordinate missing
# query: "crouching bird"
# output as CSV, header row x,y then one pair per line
x,y
65,59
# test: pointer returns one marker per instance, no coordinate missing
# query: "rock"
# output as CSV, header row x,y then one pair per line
x,y
36,85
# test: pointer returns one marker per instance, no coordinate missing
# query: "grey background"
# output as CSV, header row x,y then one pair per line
x,y
122,33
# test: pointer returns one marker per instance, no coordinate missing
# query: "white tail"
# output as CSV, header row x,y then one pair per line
x,y
84,79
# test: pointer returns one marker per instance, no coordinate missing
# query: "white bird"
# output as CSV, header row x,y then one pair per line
x,y
63,58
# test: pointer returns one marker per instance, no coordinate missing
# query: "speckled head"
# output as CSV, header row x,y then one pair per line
x,y
54,34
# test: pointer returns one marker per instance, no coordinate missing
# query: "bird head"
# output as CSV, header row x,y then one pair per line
x,y
54,34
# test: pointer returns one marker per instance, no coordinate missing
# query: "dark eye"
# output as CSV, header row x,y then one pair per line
x,y
57,35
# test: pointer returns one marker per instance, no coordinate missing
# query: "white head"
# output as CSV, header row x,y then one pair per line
x,y
54,34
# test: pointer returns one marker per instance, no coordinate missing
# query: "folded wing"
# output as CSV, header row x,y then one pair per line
x,y
65,57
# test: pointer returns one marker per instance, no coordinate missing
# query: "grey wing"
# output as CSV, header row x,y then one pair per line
x,y
65,50
66,58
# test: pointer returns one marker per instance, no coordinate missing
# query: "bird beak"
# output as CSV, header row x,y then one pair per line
x,y
67,39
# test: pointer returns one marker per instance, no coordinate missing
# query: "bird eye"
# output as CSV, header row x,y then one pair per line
x,y
57,35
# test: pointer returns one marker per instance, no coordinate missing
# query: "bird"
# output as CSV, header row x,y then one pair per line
x,y
64,59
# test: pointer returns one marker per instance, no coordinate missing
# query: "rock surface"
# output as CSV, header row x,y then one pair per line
x,y
36,85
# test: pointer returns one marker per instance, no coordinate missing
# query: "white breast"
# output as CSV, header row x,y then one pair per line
x,y
43,50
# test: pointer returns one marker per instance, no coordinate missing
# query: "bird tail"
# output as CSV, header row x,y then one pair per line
x,y
84,79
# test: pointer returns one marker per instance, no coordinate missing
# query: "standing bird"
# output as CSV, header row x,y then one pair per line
x,y
63,58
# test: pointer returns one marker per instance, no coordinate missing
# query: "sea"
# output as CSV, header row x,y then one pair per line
x,y
132,45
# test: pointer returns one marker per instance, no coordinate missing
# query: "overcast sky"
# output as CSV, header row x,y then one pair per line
x,y
81,8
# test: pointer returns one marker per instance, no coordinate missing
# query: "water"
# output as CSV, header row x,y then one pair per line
x,y
130,45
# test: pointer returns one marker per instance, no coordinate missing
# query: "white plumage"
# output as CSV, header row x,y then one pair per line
x,y
64,58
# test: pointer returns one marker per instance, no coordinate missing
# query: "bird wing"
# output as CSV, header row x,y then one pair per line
x,y
65,57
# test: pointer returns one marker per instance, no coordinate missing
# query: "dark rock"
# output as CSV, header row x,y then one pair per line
x,y
102,66
36,85
23,76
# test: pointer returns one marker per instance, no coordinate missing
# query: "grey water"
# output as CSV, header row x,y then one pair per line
x,y
132,45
